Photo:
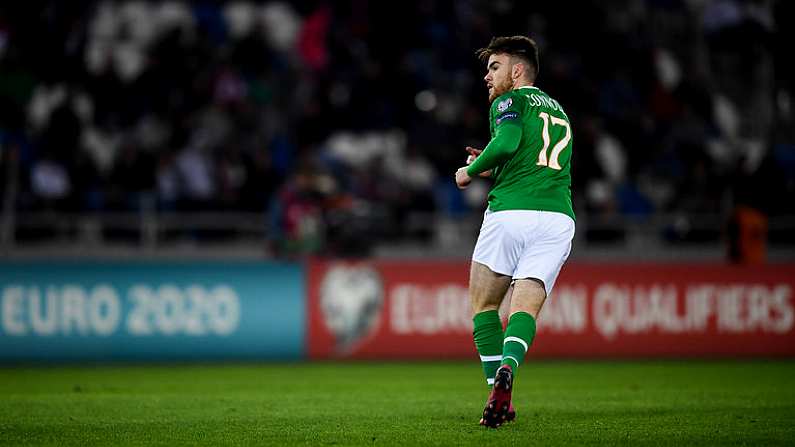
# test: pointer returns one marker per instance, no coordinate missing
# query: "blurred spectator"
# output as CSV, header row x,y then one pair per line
x,y
298,223
50,183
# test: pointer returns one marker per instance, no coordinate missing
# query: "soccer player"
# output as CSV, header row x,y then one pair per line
x,y
528,227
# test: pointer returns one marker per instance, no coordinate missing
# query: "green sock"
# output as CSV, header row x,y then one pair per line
x,y
518,337
487,333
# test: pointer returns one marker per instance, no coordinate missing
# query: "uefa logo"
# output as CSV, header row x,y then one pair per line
x,y
351,301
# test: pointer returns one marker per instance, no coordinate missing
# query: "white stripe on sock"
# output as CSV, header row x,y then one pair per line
x,y
490,358
518,340
490,381
512,358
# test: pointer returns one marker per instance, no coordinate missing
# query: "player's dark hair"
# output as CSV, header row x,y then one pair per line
x,y
521,47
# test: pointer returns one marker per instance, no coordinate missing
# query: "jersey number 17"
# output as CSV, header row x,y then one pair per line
x,y
552,161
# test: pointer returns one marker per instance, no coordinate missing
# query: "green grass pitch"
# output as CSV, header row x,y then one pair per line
x,y
681,403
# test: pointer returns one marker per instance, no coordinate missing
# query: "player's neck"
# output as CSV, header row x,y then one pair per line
x,y
520,84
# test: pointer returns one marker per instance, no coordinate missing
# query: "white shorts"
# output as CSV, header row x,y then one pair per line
x,y
525,244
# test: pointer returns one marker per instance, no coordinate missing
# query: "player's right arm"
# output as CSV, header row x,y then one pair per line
x,y
499,150
473,154
506,113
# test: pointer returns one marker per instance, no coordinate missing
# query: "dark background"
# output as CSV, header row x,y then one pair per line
x,y
336,126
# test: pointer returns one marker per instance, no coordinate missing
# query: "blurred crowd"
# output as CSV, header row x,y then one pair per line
x,y
341,120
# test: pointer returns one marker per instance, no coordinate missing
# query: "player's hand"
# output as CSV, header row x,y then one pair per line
x,y
462,179
473,154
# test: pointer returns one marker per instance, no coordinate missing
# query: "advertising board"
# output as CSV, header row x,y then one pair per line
x,y
150,311
404,309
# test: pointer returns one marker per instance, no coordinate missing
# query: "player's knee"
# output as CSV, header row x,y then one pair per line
x,y
479,306
528,296
483,299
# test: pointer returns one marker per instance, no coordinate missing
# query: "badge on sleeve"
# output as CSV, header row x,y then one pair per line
x,y
503,105
506,116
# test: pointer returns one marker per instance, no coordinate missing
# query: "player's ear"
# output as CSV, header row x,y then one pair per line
x,y
517,70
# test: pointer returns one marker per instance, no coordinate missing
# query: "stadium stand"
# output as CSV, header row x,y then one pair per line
x,y
326,127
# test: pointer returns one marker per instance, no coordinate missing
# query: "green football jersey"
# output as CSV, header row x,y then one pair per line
x,y
538,174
